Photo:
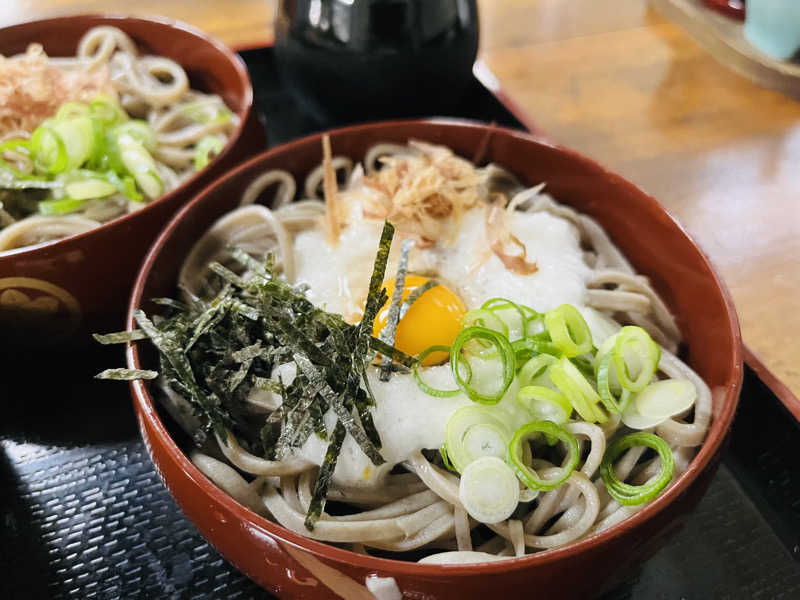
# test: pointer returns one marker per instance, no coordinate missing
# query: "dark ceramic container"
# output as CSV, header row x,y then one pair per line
x,y
292,566
53,294
356,60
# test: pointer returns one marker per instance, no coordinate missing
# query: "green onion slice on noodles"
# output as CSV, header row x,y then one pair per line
x,y
625,493
551,431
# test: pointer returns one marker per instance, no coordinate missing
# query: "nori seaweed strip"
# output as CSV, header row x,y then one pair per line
x,y
320,494
238,376
227,274
168,346
248,353
120,337
415,295
295,339
376,296
210,317
245,310
397,355
267,384
365,415
127,374
250,263
295,417
171,303
389,330
340,408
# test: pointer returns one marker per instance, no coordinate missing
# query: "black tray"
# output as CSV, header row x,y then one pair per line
x,y
84,515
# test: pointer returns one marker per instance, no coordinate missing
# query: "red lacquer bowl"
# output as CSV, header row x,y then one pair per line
x,y
292,566
55,293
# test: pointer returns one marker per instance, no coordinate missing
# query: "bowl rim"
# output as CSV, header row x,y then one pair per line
x,y
234,62
145,406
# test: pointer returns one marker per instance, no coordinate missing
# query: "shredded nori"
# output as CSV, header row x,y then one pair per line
x,y
120,337
389,330
216,352
127,374
320,493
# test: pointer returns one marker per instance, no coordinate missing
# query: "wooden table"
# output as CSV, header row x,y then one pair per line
x,y
621,84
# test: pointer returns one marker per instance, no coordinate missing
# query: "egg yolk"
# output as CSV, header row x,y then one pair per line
x,y
433,320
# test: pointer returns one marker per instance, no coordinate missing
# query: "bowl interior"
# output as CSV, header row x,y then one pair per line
x,y
210,65
77,263
641,228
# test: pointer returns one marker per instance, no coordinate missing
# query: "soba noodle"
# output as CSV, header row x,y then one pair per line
x,y
421,510
152,88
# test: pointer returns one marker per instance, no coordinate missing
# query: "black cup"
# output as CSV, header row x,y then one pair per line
x,y
356,60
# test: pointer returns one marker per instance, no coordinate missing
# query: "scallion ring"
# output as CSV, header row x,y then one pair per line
x,y
446,459
568,330
49,151
474,431
487,319
531,346
625,493
535,367
497,305
206,149
432,391
580,393
506,355
545,404
22,147
550,430
635,350
612,403
60,206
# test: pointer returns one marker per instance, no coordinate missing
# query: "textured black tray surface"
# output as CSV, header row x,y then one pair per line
x,y
84,515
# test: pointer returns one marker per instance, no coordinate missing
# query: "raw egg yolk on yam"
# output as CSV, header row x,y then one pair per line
x,y
433,320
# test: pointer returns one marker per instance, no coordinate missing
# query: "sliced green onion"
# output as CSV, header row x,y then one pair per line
x,y
446,459
489,490
125,185
658,402
504,351
531,346
62,206
627,494
634,350
499,306
545,404
534,321
568,330
432,391
528,476
107,110
48,150
139,130
205,148
486,319
79,135
613,403
20,147
140,164
90,188
535,367
580,393
474,431
70,110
